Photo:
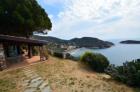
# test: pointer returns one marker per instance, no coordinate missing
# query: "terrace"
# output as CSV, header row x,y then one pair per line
x,y
19,51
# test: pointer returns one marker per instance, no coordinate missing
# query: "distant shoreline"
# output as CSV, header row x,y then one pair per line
x,y
67,51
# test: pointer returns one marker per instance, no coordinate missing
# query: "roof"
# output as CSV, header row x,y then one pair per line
x,y
14,39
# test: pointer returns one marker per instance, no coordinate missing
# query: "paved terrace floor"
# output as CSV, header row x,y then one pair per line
x,y
25,62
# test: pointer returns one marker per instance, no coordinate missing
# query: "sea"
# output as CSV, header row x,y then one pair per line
x,y
117,54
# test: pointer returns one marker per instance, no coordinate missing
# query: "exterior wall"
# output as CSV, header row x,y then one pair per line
x,y
2,58
12,51
14,60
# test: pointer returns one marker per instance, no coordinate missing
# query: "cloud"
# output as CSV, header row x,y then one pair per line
x,y
96,18
98,9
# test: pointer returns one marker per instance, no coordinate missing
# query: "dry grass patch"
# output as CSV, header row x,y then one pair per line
x,y
69,76
10,81
63,76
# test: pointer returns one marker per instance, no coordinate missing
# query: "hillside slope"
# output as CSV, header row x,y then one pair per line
x,y
63,76
79,42
91,42
68,76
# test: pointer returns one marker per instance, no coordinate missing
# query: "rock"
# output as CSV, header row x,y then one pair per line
x,y
30,90
43,85
35,84
105,76
46,89
36,79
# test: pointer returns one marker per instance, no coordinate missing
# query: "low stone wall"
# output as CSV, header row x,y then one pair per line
x,y
2,58
63,55
13,60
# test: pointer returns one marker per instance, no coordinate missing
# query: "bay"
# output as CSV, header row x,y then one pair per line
x,y
117,54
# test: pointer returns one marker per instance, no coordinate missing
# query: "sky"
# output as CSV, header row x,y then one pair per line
x,y
104,19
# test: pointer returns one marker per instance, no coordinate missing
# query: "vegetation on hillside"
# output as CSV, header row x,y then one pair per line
x,y
22,17
63,76
10,81
88,42
130,42
97,62
128,73
68,76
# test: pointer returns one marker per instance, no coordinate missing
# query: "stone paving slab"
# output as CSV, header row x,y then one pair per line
x,y
34,82
46,89
43,85
36,79
30,90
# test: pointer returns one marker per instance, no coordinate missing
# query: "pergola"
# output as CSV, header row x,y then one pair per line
x,y
8,41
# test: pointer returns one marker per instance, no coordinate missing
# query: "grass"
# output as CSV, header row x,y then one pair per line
x,y
69,76
10,81
136,90
64,76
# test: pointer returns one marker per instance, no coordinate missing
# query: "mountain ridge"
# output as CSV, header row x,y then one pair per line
x,y
88,42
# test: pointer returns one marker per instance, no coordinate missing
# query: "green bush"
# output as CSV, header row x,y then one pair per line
x,y
46,53
128,73
35,51
58,54
97,62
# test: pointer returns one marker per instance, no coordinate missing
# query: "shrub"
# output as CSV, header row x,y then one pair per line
x,y
58,54
87,58
97,62
35,51
68,56
46,53
128,73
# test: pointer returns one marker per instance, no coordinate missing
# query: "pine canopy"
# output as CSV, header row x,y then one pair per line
x,y
22,17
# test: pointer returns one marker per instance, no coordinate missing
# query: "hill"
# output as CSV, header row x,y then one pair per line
x,y
130,42
88,42
91,42
62,76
